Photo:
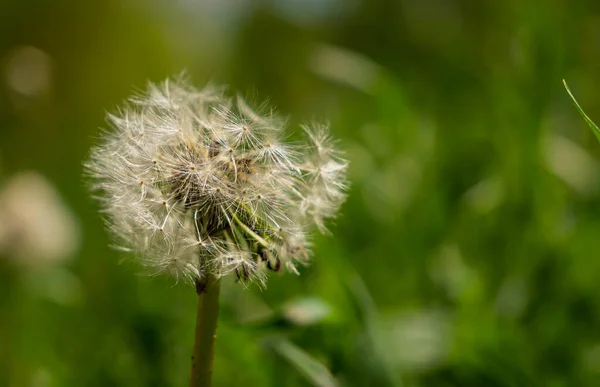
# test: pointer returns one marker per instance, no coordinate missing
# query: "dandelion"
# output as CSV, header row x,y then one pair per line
x,y
200,185
36,226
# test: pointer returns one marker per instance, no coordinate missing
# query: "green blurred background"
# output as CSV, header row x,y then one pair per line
x,y
466,254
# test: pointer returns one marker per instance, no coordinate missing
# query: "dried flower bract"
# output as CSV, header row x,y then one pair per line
x,y
194,182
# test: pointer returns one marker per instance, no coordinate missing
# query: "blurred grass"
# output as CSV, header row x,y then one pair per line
x,y
465,255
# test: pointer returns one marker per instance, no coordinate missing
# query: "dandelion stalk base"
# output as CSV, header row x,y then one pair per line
x,y
206,332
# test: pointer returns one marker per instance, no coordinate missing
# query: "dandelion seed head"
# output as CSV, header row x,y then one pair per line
x,y
196,182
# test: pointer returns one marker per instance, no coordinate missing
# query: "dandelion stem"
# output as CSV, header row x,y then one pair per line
x,y
206,332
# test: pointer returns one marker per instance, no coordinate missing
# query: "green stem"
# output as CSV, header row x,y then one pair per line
x,y
251,233
206,332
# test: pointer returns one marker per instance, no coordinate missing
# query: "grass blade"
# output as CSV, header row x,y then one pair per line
x,y
312,369
587,119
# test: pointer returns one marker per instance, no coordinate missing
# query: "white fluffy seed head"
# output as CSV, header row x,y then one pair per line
x,y
196,182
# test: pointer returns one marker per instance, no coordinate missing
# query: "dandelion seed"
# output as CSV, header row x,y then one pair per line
x,y
198,183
